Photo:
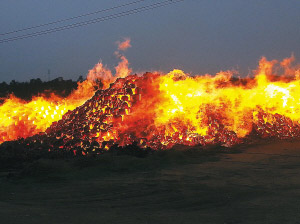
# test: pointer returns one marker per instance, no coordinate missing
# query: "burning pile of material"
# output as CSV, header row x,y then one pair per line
x,y
121,115
160,111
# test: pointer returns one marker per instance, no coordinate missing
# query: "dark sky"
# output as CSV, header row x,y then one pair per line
x,y
198,36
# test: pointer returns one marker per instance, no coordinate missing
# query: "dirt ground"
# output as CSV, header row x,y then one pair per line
x,y
259,184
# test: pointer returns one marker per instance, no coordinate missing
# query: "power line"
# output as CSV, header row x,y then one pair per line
x,y
88,22
71,18
92,21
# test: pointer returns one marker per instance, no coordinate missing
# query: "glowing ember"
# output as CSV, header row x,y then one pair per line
x,y
159,111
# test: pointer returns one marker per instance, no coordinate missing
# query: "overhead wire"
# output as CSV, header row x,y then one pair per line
x,y
92,21
99,19
71,18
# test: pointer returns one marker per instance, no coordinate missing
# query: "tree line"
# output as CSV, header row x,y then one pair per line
x,y
26,90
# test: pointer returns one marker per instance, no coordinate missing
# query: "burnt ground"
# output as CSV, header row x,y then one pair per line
x,y
257,184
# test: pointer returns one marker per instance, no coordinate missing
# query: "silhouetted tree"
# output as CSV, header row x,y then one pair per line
x,y
26,90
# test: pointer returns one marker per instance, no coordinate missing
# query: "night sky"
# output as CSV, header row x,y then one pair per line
x,y
197,36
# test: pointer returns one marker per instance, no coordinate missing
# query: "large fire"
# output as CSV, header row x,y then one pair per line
x,y
21,119
159,111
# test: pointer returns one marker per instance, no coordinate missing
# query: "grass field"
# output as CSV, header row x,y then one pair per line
x,y
257,184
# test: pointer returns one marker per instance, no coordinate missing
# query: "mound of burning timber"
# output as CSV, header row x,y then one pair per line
x,y
124,114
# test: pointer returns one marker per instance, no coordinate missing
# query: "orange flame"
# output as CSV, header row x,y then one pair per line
x,y
184,106
21,119
166,109
124,45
